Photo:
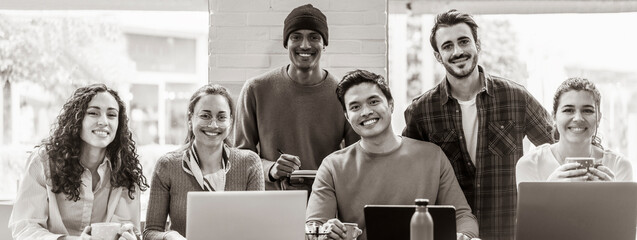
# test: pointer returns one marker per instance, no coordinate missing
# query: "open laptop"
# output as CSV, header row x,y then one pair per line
x,y
266,215
583,211
393,221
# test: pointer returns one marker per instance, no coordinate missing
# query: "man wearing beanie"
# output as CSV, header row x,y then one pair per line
x,y
290,115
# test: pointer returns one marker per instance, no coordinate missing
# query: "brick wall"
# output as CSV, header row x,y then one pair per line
x,y
246,37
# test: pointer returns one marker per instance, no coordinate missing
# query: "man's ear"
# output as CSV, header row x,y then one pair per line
x,y
438,57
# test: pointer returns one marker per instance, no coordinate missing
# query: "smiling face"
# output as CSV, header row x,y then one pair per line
x,y
100,122
305,48
211,120
368,110
458,51
577,117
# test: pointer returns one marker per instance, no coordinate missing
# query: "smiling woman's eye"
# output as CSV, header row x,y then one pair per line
x,y
205,116
92,113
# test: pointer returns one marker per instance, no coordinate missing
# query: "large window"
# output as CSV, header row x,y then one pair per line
x,y
538,51
155,60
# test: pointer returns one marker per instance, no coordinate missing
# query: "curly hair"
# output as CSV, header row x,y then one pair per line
x,y
578,84
63,147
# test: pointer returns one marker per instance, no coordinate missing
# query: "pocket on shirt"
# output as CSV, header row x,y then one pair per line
x,y
502,137
448,141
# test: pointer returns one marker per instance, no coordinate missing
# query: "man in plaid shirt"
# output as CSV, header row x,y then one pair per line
x,y
479,121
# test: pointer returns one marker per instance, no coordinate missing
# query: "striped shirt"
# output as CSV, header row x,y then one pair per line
x,y
506,114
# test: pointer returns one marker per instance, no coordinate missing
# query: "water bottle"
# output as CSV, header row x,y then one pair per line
x,y
422,225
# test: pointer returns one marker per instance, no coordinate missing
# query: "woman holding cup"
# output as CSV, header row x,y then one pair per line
x,y
205,162
576,110
86,172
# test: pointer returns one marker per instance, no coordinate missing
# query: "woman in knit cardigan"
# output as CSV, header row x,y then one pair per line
x,y
204,163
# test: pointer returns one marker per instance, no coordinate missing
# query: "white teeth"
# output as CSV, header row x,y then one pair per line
x,y
100,133
211,133
305,54
578,130
371,121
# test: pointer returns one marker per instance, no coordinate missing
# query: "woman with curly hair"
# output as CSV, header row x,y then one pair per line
x,y
204,163
86,172
576,110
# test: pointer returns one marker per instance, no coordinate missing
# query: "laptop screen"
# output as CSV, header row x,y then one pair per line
x,y
393,221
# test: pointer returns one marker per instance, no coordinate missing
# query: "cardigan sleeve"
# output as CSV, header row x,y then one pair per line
x,y
158,203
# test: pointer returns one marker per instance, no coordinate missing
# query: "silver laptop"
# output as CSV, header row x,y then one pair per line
x,y
246,215
583,211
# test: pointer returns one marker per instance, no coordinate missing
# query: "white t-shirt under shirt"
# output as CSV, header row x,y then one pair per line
x,y
470,126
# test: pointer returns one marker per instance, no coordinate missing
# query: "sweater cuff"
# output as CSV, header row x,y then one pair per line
x,y
267,169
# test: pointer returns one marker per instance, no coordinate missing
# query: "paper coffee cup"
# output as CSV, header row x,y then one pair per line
x,y
106,231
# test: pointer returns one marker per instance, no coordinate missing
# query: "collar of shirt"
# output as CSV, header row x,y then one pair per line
x,y
191,165
445,87
103,170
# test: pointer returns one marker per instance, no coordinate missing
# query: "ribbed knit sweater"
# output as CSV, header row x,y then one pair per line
x,y
170,186
276,112
351,178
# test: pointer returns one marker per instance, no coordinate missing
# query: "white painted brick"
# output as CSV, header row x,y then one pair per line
x,y
276,33
266,19
287,5
242,61
358,61
277,60
376,32
213,5
339,72
344,46
345,18
240,33
374,46
265,46
212,61
374,18
358,5
242,6
229,19
226,75
227,46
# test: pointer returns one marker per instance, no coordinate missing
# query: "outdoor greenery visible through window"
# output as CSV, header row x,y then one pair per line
x,y
155,60
540,51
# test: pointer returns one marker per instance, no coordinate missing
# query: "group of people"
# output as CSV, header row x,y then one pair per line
x,y
462,145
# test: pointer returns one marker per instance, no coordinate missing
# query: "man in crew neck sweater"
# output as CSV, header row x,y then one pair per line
x,y
290,115
381,168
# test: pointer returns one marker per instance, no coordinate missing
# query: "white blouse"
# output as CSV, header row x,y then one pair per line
x,y
538,164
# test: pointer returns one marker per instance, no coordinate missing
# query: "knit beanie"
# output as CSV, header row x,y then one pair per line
x,y
305,17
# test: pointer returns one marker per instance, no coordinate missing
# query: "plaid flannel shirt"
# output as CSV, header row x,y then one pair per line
x,y
506,113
